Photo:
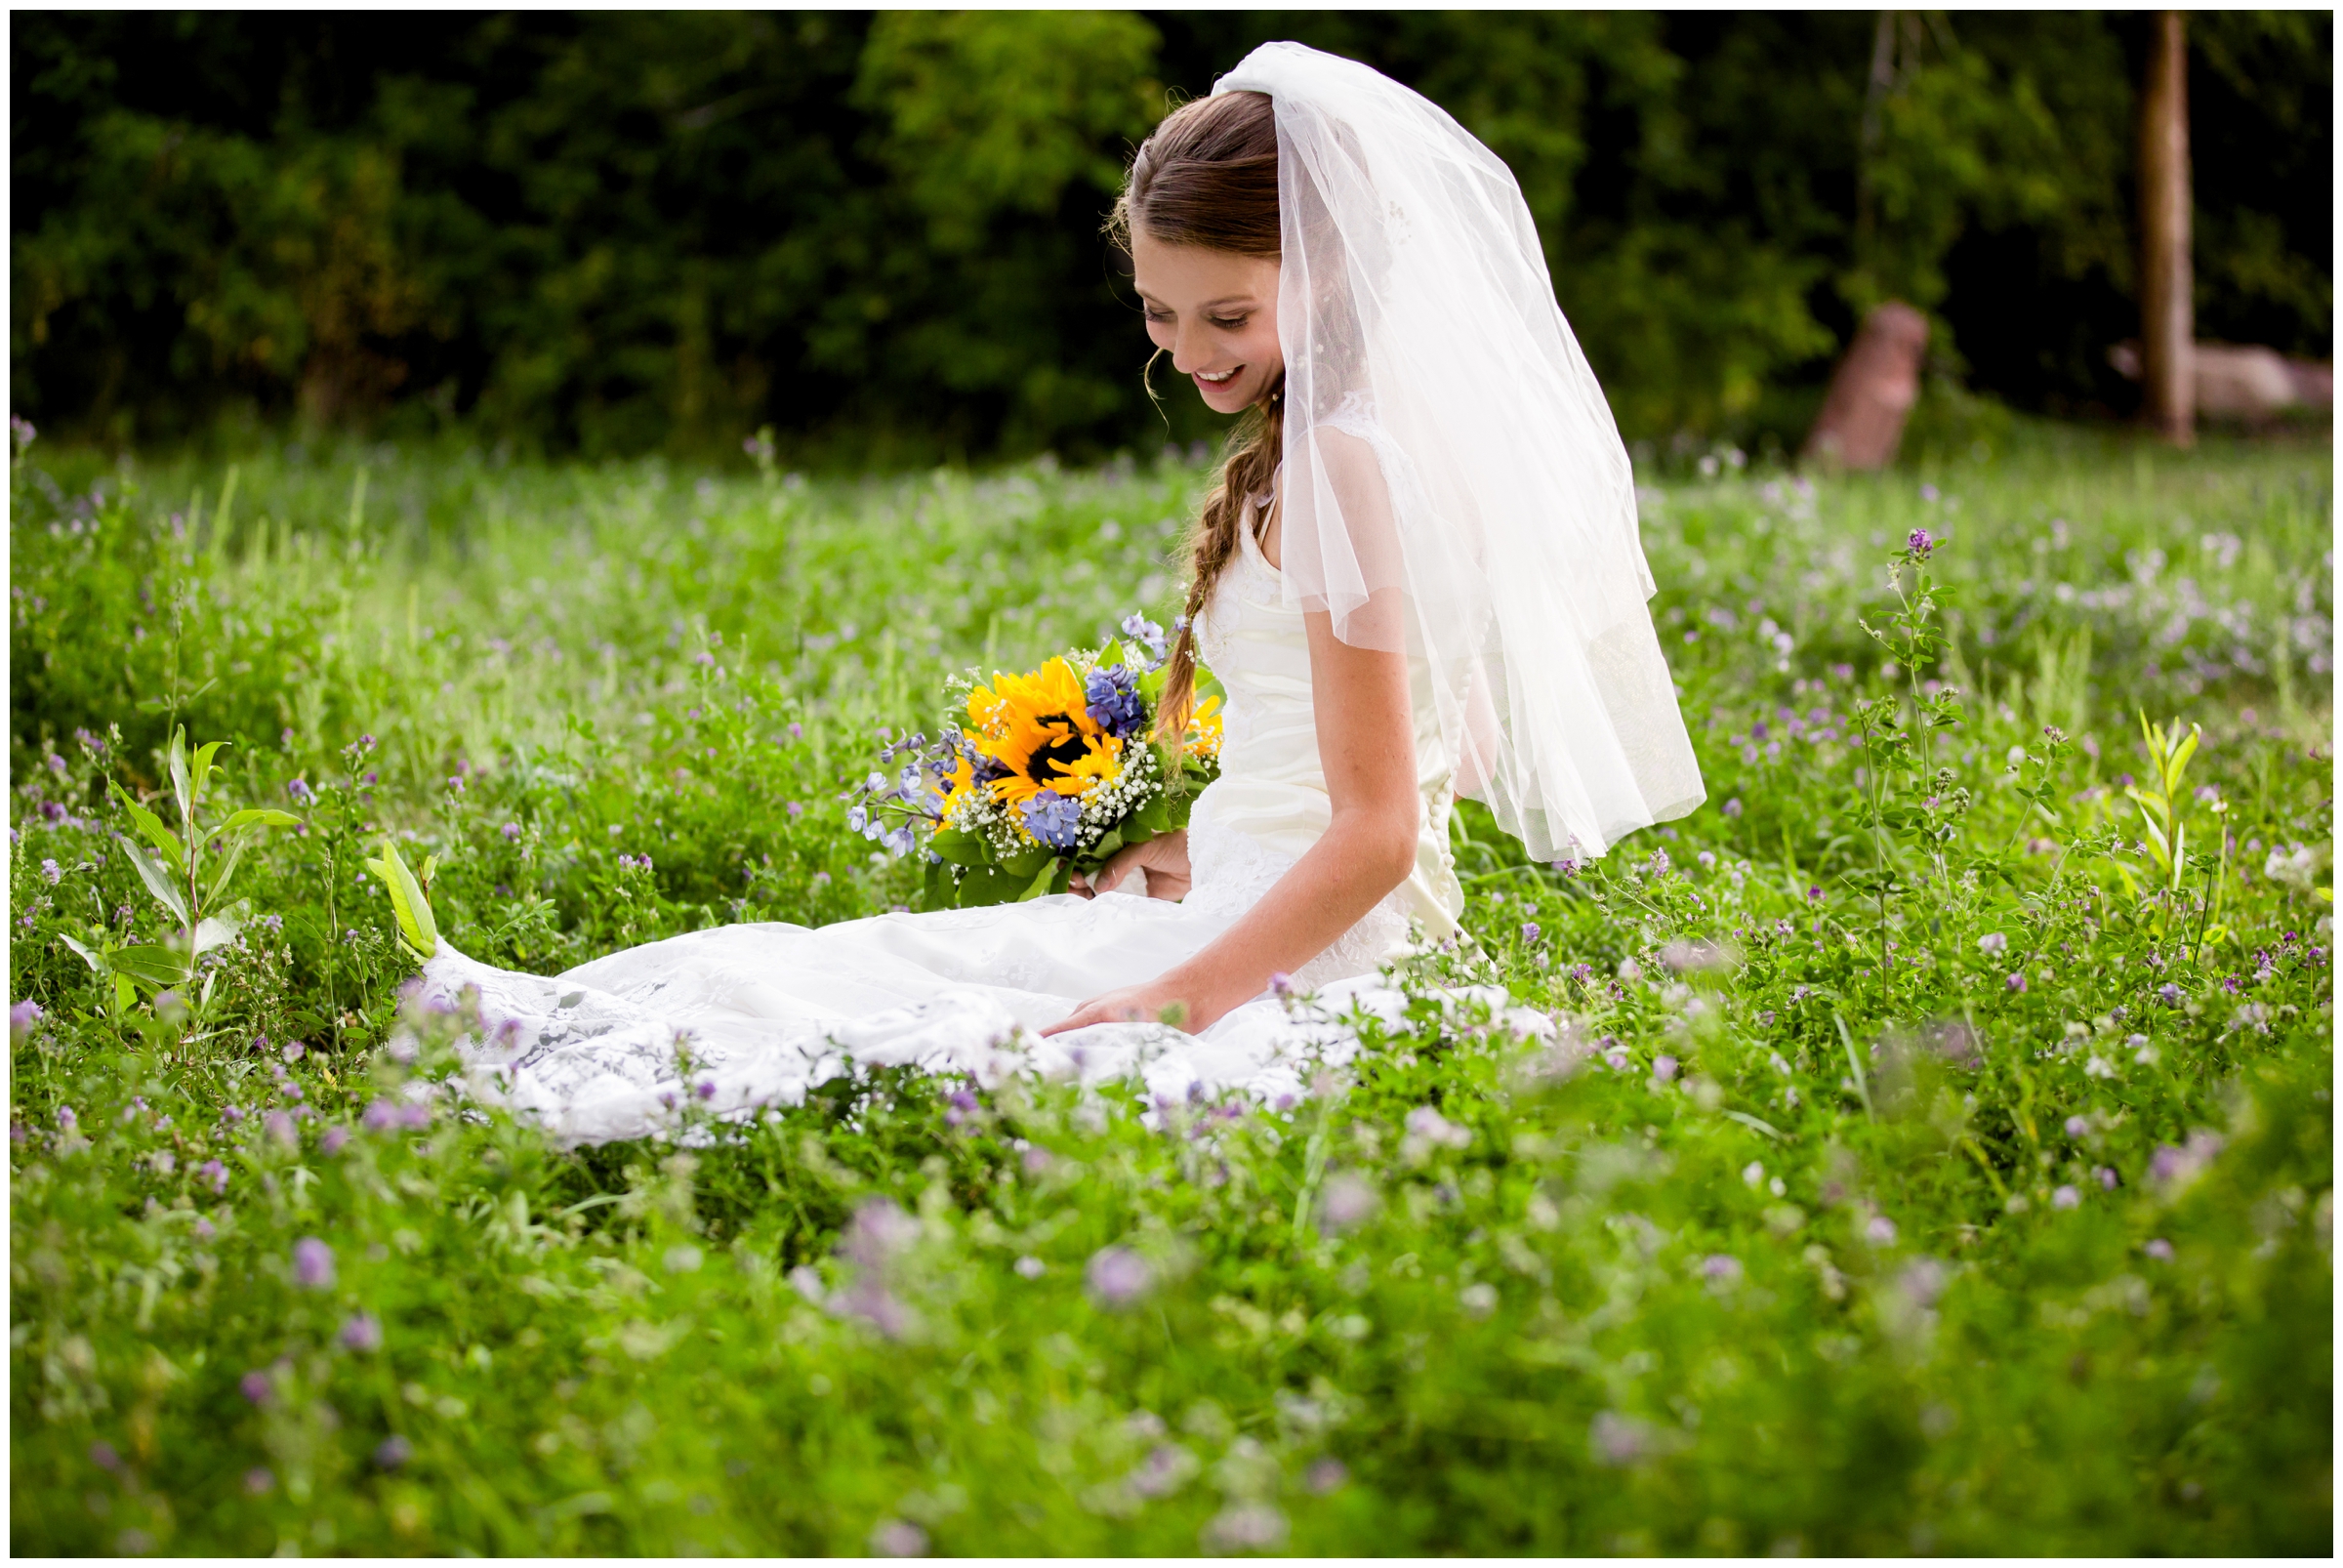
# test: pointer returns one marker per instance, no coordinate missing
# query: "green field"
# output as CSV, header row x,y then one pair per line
x,y
1925,1164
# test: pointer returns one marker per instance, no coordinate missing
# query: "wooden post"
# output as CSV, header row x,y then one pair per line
x,y
2167,309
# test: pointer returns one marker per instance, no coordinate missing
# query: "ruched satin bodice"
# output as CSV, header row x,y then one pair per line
x,y
1272,785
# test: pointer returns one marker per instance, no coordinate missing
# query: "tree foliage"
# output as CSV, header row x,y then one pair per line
x,y
613,231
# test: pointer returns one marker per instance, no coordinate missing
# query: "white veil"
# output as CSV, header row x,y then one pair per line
x,y
1453,482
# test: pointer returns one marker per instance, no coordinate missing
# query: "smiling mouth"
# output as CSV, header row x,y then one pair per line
x,y
1210,380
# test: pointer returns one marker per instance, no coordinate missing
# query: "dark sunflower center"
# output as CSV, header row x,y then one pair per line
x,y
1056,759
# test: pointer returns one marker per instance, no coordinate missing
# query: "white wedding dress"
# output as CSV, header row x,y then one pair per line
x,y
741,1017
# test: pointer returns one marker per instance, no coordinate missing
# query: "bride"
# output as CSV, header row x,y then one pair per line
x,y
1418,577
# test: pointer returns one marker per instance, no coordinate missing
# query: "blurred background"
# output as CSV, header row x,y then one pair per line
x,y
878,233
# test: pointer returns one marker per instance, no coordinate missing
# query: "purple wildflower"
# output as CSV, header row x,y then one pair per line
x,y
1664,1069
1119,1277
21,1017
313,1264
212,1171
1349,1201
2168,994
2017,983
257,1387
2160,1248
1619,1440
335,1137
2076,1127
364,1334
259,1480
2065,1198
1528,930
1920,542
1720,1268
392,1451
1881,1231
102,1454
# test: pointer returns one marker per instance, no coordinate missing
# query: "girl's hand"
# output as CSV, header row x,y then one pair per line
x,y
1165,858
1133,1004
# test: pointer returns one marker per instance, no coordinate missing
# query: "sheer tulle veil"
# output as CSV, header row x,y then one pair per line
x,y
1453,482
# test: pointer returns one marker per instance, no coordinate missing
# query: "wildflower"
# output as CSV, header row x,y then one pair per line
x,y
212,1171
282,1130
2065,1198
364,1334
1119,1277
1752,1173
204,1230
258,1480
1881,1231
313,1264
1619,1440
1052,818
102,1454
381,1116
1281,985
2168,994
1919,543
2107,1178
257,1387
898,1538
1245,1527
510,831
335,1137
392,1451
1030,1267
1922,1282
51,873
1349,1201
2175,1168
1664,1069
1427,1124
2076,1127
1325,1475
1991,942
1113,700
1720,1268
1528,932
20,1019
1732,807
2017,982
2159,1249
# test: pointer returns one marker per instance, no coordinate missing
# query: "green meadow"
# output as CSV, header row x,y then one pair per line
x,y
1923,1147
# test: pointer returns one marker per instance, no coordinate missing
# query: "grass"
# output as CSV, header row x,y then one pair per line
x,y
1917,1167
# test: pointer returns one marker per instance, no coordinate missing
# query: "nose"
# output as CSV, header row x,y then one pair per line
x,y
1189,353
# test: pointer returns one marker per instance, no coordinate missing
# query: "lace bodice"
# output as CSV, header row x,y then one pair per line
x,y
1270,803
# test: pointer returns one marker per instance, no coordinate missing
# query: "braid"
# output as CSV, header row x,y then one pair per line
x,y
1256,448
1206,177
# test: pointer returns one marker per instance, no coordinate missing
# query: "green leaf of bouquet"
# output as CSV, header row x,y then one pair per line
x,y
959,848
1041,883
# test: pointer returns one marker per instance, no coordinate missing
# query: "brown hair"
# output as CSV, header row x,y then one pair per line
x,y
1207,177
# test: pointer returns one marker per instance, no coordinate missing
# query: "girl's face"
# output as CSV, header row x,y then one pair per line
x,y
1215,314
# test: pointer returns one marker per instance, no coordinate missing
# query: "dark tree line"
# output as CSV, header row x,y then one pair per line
x,y
877,233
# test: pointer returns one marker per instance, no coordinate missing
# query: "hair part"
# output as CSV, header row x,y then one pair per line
x,y
1207,177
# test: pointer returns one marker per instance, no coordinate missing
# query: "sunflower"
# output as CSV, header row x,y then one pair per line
x,y
1205,727
1039,729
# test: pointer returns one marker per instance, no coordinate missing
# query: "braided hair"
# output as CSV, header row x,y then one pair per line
x,y
1207,177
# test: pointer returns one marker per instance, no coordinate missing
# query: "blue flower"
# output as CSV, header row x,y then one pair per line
x,y
1116,706
1053,818
1139,629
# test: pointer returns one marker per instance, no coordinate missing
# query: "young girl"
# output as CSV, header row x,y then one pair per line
x,y
1418,576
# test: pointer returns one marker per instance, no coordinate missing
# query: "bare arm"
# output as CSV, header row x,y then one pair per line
x,y
1367,748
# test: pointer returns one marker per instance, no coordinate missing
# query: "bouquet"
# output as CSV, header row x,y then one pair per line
x,y
1038,776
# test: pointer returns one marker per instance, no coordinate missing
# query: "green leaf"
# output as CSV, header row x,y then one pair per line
x,y
181,784
203,767
228,868
418,931
156,965
96,962
161,836
1041,883
158,883
959,848
219,928
266,816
